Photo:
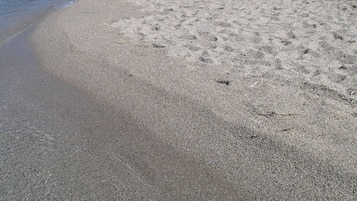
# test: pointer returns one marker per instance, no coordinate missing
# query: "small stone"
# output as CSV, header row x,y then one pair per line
x,y
226,82
343,67
351,91
157,45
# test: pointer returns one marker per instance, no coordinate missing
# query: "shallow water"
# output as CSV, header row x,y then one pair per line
x,y
8,7
17,15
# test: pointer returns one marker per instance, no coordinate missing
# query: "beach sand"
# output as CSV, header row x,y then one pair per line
x,y
263,92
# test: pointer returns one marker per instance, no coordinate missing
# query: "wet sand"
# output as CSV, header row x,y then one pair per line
x,y
59,143
262,131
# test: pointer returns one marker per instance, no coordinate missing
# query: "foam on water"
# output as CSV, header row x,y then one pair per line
x,y
64,5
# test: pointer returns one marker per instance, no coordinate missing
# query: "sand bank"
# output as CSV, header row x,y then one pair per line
x,y
263,93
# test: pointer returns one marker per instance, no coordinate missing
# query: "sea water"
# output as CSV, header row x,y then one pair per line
x,y
13,7
17,15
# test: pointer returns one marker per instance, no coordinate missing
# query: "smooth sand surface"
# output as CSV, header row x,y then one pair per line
x,y
262,93
59,143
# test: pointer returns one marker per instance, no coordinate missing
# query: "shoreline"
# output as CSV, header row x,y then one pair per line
x,y
16,23
179,100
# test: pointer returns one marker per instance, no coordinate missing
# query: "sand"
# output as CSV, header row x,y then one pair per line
x,y
314,41
263,92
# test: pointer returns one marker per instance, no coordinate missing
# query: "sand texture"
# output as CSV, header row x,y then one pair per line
x,y
312,40
262,92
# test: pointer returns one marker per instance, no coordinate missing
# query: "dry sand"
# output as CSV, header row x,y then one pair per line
x,y
264,92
